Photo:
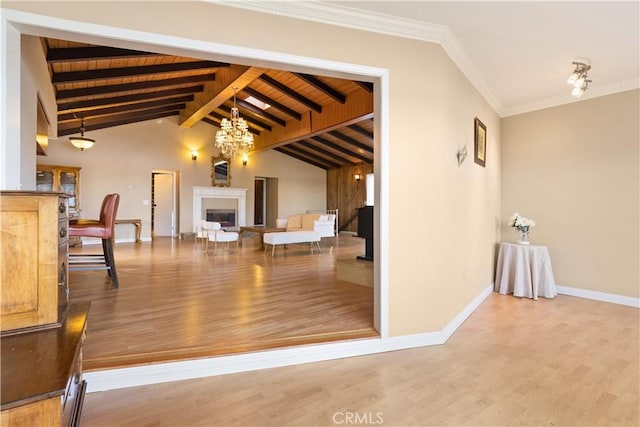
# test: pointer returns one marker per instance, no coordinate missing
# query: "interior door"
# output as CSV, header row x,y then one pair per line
x,y
163,205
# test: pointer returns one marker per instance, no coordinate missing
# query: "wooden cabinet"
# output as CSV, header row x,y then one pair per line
x,y
41,334
42,381
34,248
63,179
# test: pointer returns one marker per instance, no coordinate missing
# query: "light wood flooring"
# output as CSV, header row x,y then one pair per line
x,y
514,362
178,302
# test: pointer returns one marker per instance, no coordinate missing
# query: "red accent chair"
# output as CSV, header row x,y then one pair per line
x,y
101,229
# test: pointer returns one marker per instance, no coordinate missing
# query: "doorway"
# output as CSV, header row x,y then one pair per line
x,y
265,201
260,201
163,203
141,40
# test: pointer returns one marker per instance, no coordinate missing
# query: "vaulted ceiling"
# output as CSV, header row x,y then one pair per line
x,y
323,121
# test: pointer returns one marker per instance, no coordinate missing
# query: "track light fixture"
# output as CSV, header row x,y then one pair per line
x,y
579,78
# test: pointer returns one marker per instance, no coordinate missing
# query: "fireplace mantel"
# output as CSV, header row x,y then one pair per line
x,y
239,194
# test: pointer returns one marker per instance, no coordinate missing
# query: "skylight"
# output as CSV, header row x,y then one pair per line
x,y
261,105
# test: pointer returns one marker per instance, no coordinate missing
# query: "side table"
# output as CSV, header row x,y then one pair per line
x,y
524,271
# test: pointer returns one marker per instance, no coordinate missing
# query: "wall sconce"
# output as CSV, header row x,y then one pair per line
x,y
358,177
461,155
245,159
194,155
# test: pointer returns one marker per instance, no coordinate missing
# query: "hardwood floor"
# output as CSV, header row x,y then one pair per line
x,y
560,362
178,302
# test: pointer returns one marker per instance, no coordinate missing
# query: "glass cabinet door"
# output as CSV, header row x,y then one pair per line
x,y
63,179
69,185
44,181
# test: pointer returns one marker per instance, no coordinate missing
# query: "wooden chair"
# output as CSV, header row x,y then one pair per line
x,y
103,229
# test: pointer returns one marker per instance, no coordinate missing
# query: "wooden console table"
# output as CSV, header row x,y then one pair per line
x,y
135,221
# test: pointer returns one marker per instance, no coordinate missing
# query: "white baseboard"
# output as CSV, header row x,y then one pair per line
x,y
599,296
189,369
92,241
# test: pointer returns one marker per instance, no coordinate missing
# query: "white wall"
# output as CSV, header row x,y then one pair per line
x,y
123,157
574,169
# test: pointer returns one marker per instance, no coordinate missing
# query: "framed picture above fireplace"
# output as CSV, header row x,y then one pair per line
x,y
220,171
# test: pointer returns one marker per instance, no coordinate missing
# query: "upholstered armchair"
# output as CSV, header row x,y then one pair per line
x,y
212,232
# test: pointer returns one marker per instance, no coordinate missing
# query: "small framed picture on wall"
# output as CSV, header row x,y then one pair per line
x,y
480,144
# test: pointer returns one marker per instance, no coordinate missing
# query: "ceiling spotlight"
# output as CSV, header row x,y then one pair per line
x,y
579,78
579,90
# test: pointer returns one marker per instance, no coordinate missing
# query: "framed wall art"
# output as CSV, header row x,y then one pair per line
x,y
480,142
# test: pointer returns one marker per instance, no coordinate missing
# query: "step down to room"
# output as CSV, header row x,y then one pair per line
x,y
355,271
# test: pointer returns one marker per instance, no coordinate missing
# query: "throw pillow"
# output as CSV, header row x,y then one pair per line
x,y
323,218
295,221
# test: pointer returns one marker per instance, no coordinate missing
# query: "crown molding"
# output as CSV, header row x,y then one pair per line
x,y
592,92
345,16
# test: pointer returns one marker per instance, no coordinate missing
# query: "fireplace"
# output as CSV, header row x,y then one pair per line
x,y
230,200
226,217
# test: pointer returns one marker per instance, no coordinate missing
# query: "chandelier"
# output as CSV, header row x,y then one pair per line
x,y
233,136
80,141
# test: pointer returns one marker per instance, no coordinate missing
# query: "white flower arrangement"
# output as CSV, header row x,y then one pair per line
x,y
520,222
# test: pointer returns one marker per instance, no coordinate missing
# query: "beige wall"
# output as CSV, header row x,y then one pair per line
x,y
34,84
574,170
444,219
123,158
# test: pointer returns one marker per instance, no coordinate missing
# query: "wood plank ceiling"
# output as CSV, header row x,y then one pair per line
x,y
323,121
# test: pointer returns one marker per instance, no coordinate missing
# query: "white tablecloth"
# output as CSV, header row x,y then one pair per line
x,y
525,271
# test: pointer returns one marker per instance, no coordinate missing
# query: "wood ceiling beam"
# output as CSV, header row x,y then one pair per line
x,y
358,107
126,87
324,152
251,121
365,85
121,119
291,93
260,112
101,102
301,151
351,141
76,54
336,147
273,103
217,120
283,150
361,131
217,92
323,87
145,70
87,114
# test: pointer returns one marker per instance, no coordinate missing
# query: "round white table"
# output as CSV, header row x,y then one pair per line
x,y
524,271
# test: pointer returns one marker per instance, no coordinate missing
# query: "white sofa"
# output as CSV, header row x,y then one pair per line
x,y
290,237
323,224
